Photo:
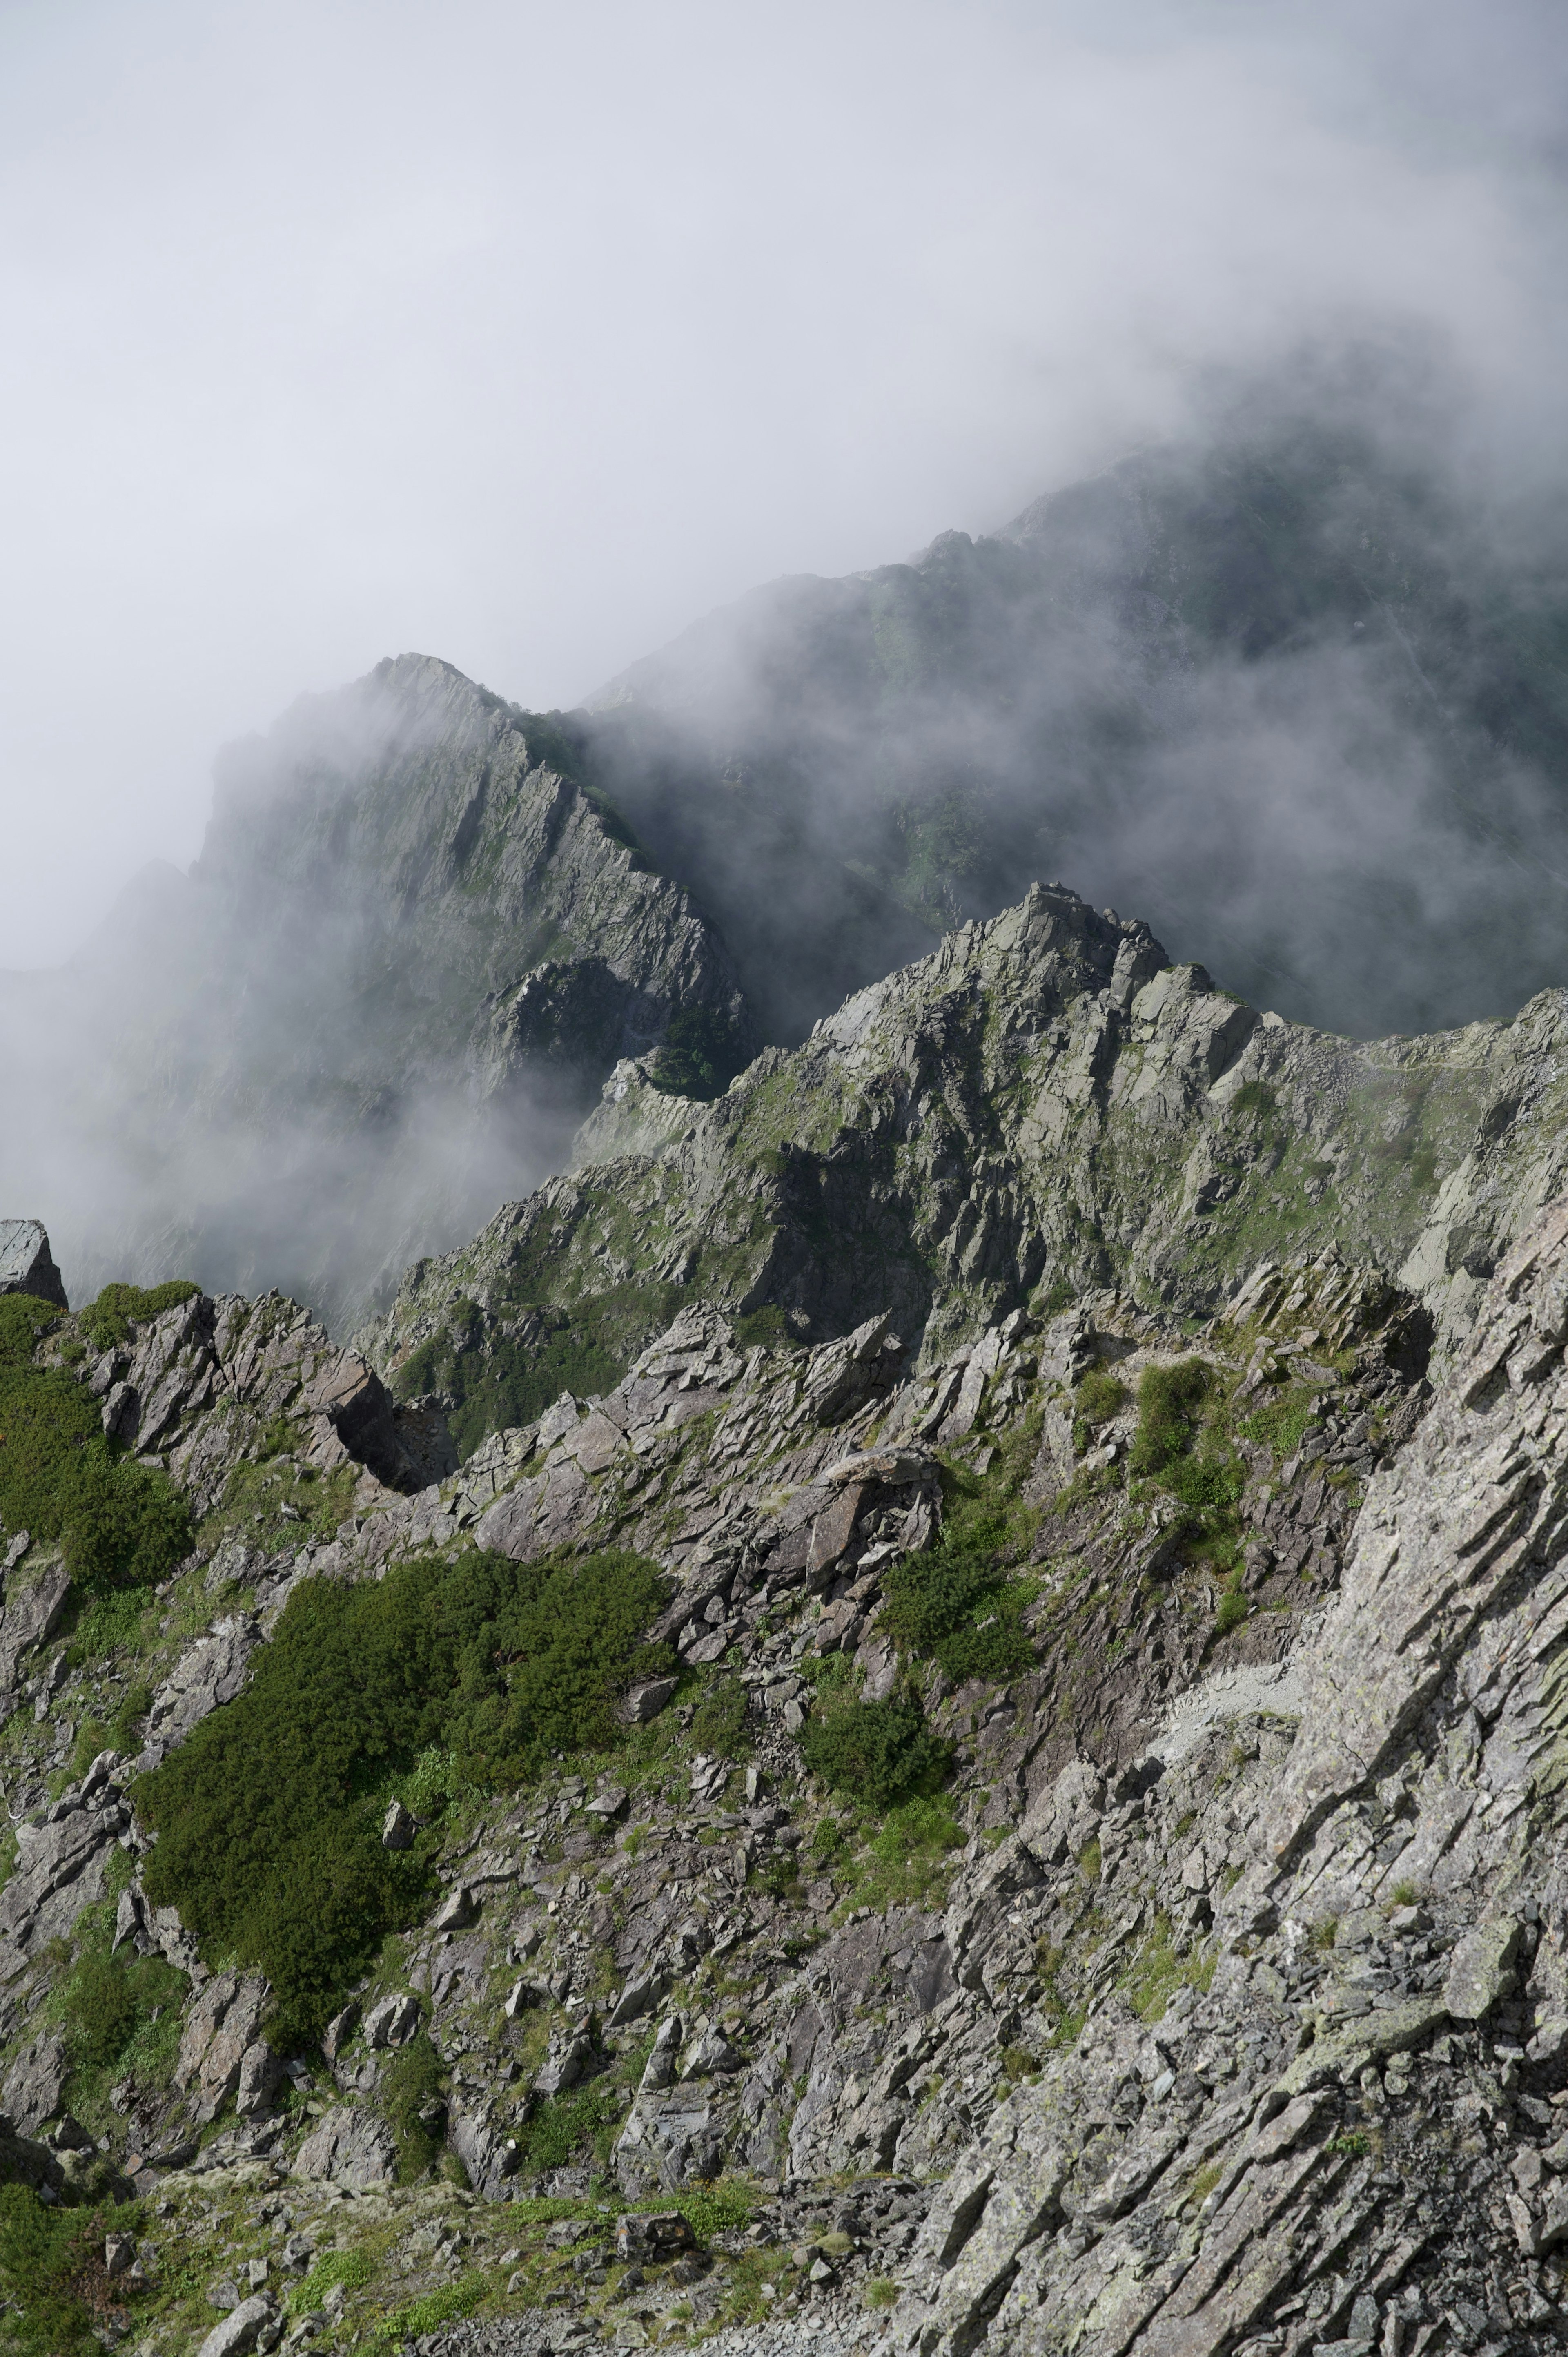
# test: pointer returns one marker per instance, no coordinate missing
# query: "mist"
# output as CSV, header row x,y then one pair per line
x,y
523,336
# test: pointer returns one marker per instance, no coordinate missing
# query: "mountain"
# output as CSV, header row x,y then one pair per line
x,y
995,1785
413,946
1293,690
1045,1106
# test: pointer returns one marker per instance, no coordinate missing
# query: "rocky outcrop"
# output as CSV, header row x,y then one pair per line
x,y
1354,2134
1044,1106
26,1264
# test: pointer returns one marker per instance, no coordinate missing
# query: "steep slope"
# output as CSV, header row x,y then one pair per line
x,y
1122,1915
1044,1105
1293,691
413,946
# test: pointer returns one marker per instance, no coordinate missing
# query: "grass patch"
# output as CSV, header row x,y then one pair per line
x,y
268,1816
1099,1396
1159,1969
1231,1612
417,2316
585,2118
905,1862
352,2269
52,2276
1283,1422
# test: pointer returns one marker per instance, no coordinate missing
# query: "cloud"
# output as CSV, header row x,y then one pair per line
x,y
522,334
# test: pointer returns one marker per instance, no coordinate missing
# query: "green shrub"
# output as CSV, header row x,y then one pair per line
x,y
119,1524
413,2079
700,1056
100,2010
1231,1612
960,1606
875,1752
1170,1399
719,1721
1168,1402
268,1817
497,1379
1254,1097
109,1319
24,1322
716,2209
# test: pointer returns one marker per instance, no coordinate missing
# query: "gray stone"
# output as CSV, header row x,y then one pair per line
x,y
393,2021
397,1827
645,1702
457,1910
34,1602
349,2147
240,2330
35,2081
1481,1972
26,1264
638,1997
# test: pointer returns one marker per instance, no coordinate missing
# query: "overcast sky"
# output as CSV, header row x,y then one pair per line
x,y
522,334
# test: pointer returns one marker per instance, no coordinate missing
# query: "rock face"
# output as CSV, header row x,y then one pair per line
x,y
26,1264
1044,1103
1353,2134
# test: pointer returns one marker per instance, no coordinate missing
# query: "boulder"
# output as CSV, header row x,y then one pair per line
x,y
393,2021
241,2329
1481,1969
26,1264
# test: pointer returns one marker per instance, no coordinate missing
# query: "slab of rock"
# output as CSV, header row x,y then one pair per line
x,y
645,1702
1481,1969
221,2031
393,2021
349,2146
239,2330
36,2082
59,1871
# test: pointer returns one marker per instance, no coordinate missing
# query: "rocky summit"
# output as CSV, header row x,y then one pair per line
x,y
923,1710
